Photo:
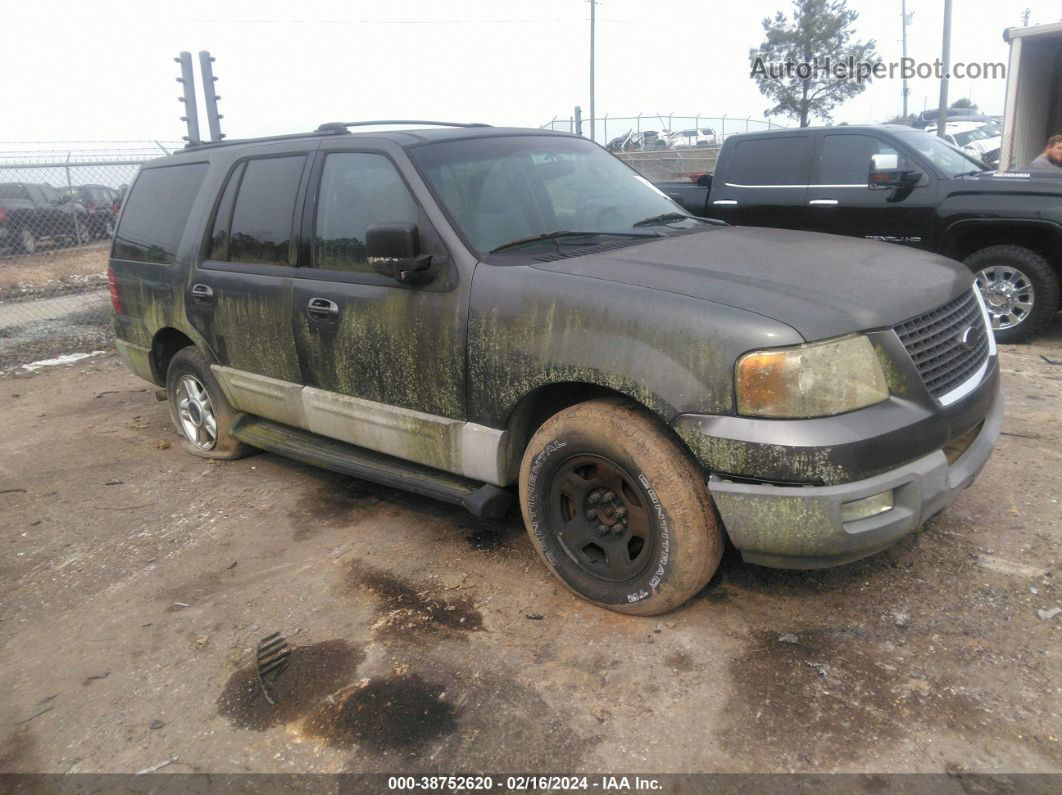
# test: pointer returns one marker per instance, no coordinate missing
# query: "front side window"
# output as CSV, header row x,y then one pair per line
x,y
156,212
845,159
357,190
952,162
769,161
262,218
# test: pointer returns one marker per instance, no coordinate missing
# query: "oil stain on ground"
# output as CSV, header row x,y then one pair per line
x,y
402,713
828,689
336,503
313,673
403,609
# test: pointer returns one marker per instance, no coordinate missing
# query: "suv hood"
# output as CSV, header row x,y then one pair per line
x,y
821,285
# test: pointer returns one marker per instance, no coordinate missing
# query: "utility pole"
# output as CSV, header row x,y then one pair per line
x,y
1025,17
593,26
906,22
942,111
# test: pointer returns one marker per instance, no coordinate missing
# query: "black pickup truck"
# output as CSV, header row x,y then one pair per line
x,y
904,186
31,213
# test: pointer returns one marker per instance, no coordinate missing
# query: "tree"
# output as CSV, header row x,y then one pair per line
x,y
811,65
964,104
908,120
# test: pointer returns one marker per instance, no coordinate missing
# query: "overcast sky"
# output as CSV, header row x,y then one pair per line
x,y
103,70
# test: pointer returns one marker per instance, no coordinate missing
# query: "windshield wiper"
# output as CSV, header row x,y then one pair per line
x,y
663,218
523,241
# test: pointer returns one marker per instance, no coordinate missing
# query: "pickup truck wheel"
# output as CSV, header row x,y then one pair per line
x,y
618,510
27,241
199,409
1020,289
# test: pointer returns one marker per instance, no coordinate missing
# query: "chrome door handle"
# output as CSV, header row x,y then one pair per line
x,y
823,202
202,293
322,309
727,202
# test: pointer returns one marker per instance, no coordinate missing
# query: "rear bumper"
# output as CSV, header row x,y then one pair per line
x,y
800,527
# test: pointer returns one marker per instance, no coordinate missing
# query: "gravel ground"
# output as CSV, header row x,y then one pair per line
x,y
136,581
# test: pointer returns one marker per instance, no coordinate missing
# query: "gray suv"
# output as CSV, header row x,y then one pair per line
x,y
464,312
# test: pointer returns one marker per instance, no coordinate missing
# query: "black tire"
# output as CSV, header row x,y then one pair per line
x,y
1029,278
190,365
600,457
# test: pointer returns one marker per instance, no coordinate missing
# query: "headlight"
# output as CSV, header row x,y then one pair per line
x,y
814,380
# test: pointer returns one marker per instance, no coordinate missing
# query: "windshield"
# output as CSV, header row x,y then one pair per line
x,y
951,161
504,189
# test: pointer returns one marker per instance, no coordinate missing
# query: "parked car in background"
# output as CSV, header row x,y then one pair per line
x,y
101,208
980,139
388,305
645,140
31,213
927,117
920,192
704,136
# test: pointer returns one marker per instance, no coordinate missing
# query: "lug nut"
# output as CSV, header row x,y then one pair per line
x,y
602,529
595,498
591,515
621,511
608,496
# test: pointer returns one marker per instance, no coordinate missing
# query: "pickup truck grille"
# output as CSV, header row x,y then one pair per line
x,y
935,343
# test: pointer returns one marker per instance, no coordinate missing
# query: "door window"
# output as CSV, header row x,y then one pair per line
x,y
357,190
769,161
845,159
261,229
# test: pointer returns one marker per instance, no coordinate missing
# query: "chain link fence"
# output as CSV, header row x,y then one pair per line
x,y
58,209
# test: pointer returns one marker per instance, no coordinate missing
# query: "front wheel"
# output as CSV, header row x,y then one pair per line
x,y
1020,289
618,510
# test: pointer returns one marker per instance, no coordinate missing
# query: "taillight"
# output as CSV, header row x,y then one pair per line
x,y
112,285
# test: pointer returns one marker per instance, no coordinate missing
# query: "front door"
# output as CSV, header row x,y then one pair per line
x,y
839,201
383,361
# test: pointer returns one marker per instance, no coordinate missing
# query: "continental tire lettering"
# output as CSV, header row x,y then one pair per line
x,y
532,498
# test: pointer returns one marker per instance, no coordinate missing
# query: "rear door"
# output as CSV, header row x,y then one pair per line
x,y
764,181
239,294
839,201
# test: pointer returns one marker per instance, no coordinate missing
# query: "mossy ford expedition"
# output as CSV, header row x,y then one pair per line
x,y
459,310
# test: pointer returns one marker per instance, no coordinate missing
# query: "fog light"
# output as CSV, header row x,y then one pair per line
x,y
868,506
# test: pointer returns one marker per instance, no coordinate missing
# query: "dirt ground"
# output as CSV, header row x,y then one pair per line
x,y
136,580
54,268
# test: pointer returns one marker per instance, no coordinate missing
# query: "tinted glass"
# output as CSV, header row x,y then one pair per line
x,y
770,161
508,188
219,237
50,194
845,159
156,213
357,190
265,206
946,157
12,191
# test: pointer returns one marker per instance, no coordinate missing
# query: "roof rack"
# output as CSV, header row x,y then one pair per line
x,y
332,126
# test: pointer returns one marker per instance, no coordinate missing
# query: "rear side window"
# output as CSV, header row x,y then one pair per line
x,y
156,212
261,228
770,161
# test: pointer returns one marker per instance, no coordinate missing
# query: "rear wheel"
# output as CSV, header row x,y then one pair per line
x,y
27,241
1020,289
199,409
618,510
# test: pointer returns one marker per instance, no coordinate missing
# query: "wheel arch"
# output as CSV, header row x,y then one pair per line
x,y
164,346
964,238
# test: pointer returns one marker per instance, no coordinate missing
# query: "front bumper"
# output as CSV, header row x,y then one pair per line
x,y
800,527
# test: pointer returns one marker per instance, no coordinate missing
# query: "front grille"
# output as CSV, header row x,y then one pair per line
x,y
934,342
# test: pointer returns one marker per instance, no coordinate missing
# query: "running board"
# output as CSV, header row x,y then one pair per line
x,y
479,499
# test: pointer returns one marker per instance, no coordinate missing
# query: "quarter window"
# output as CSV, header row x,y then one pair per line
x,y
156,212
357,190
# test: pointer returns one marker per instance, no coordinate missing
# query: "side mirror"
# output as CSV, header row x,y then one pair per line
x,y
705,180
886,173
393,250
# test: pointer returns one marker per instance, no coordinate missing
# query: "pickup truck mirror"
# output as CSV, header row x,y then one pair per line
x,y
886,173
705,180
393,250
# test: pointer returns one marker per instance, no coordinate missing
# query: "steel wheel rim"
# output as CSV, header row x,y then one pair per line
x,y
195,410
602,521
1009,295
29,242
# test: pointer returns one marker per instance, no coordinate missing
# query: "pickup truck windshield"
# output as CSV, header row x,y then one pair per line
x,y
949,160
501,190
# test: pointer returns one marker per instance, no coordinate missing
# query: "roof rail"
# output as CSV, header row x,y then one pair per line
x,y
332,126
